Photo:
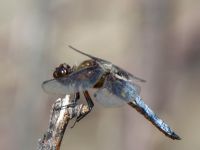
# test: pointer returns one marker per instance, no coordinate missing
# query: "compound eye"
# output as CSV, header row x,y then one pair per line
x,y
55,74
63,72
64,65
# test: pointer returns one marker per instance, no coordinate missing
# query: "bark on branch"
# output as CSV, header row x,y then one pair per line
x,y
63,110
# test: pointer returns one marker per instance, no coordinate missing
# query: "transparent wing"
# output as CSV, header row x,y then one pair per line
x,y
75,82
83,53
116,91
107,99
102,61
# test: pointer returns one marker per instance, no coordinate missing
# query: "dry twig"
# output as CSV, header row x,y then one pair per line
x,y
63,110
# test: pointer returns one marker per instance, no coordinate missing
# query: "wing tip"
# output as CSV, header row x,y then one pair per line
x,y
70,46
43,86
142,80
75,49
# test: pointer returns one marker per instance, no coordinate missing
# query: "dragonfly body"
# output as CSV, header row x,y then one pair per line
x,y
114,85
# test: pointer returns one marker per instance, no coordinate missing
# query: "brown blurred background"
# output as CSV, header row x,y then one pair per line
x,y
153,39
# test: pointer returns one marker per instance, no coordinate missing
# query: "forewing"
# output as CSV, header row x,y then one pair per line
x,y
77,81
102,61
128,75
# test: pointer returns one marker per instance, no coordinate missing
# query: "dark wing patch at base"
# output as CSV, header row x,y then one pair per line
x,y
128,75
78,81
121,90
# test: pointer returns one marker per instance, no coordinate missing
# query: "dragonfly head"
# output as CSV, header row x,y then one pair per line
x,y
62,70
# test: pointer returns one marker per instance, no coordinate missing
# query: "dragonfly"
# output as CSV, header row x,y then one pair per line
x,y
114,87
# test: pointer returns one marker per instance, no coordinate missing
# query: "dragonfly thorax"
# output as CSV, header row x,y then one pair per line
x,y
86,64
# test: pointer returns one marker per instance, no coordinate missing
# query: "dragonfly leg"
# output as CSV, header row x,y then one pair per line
x,y
89,103
142,108
90,106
